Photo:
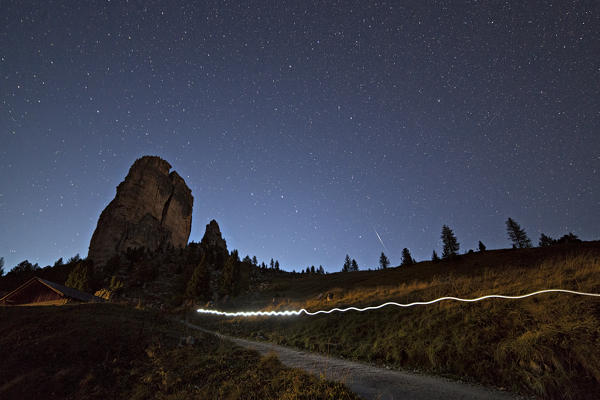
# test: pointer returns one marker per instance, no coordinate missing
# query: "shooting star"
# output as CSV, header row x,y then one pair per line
x,y
380,241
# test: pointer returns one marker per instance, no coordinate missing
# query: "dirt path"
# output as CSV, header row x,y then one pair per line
x,y
371,382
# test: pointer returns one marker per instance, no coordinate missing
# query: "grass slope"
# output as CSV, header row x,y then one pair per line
x,y
101,351
545,346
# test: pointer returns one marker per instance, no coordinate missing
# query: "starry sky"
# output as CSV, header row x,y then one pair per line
x,y
303,127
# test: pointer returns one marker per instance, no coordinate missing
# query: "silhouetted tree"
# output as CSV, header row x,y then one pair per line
x,y
406,258
1,266
198,286
347,264
546,241
236,255
517,235
312,269
481,246
23,266
272,264
276,266
353,265
254,261
58,263
435,257
321,270
75,259
247,259
384,262
451,245
568,239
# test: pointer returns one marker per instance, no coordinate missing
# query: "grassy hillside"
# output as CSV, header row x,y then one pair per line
x,y
101,351
545,346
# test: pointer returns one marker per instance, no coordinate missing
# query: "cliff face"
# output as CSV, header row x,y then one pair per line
x,y
152,208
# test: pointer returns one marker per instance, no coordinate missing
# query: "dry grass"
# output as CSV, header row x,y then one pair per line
x,y
103,351
545,346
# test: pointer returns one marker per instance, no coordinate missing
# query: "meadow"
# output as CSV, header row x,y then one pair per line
x,y
545,346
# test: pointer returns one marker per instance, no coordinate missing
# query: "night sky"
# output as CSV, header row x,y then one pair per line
x,y
303,127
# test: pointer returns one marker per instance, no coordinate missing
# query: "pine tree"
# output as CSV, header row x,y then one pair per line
x,y
230,280
435,257
517,235
1,266
247,259
198,286
254,261
347,264
451,245
384,262
406,258
546,241
312,269
80,277
272,264
321,270
353,265
481,246
276,266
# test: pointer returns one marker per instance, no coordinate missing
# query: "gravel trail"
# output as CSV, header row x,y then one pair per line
x,y
371,382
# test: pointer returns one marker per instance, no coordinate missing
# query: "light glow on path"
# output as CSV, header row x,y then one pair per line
x,y
390,303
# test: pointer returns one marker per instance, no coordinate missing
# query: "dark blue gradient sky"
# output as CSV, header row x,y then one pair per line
x,y
303,127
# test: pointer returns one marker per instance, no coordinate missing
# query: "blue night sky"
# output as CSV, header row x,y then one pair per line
x,y
303,127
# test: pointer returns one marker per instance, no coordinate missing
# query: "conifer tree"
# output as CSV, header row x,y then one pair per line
x,y
451,245
481,246
230,280
198,286
80,277
353,265
435,257
384,262
347,264
1,266
406,258
272,264
276,266
254,261
546,241
321,270
517,235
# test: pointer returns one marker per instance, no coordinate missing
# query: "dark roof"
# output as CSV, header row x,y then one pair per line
x,y
70,292
65,291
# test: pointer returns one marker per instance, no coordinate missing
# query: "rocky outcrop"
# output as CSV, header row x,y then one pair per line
x,y
212,236
152,209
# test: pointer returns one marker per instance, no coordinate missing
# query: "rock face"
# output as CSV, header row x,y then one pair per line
x,y
212,236
152,208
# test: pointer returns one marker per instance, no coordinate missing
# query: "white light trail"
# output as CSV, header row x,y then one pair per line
x,y
390,303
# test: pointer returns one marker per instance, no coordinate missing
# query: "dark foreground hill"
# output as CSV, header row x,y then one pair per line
x,y
546,346
104,351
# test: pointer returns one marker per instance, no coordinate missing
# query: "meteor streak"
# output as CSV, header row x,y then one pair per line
x,y
381,241
390,303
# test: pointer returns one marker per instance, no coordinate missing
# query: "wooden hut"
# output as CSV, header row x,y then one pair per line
x,y
40,292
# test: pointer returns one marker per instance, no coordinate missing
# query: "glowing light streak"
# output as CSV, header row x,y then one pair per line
x,y
390,303
381,241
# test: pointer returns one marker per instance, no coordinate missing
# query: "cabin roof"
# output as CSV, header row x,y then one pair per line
x,y
60,289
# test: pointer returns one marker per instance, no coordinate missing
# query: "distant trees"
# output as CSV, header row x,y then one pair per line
x,y
384,262
350,265
1,266
517,235
321,270
254,261
435,257
451,245
482,247
407,258
23,267
547,241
